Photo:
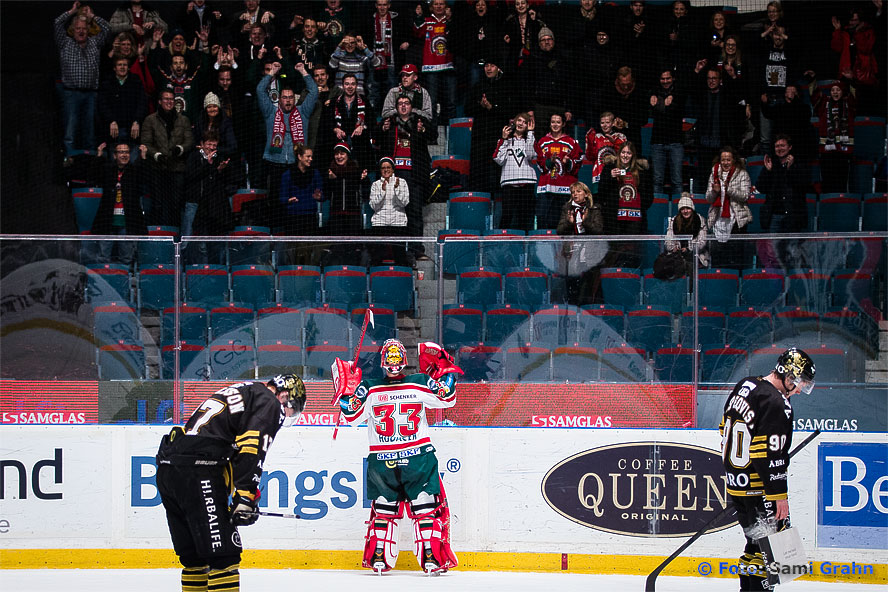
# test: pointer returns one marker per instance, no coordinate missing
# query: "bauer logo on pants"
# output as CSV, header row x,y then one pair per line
x,y
647,489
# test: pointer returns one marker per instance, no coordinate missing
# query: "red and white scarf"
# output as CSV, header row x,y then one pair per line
x,y
722,200
279,129
382,39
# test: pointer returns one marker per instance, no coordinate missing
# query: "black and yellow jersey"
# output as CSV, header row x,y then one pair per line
x,y
237,425
756,432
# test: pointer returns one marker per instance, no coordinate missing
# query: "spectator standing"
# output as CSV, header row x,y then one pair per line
x,y
122,104
310,49
601,143
285,126
580,215
205,22
120,210
352,57
836,126
779,69
688,222
301,188
718,115
334,20
320,136
388,42
637,35
629,104
793,117
729,215
345,186
124,46
784,182
349,120
406,137
79,56
601,63
212,119
167,137
242,24
552,89
489,104
521,34
438,72
479,39
625,194
730,64
717,35
187,85
515,154
409,87
680,40
137,18
207,188
559,157
857,63
667,149
389,198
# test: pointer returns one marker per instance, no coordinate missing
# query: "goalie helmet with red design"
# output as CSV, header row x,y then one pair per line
x,y
394,357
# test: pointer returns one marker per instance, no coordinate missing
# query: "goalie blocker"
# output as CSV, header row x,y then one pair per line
x,y
402,469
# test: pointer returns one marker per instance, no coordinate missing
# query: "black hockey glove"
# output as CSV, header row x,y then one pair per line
x,y
243,510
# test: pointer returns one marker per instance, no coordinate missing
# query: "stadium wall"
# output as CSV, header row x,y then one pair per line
x,y
580,500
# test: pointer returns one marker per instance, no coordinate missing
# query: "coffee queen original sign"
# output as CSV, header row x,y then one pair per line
x,y
645,489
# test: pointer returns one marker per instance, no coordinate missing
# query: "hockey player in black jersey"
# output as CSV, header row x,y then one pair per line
x,y
756,431
219,453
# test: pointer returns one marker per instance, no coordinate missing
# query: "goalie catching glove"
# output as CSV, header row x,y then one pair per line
x,y
346,378
244,511
435,361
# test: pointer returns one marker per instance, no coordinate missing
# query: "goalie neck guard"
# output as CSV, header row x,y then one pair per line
x,y
394,357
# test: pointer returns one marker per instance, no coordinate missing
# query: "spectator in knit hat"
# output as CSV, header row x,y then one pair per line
x,y
345,184
213,119
552,91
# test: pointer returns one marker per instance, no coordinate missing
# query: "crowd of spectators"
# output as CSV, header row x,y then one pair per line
x,y
339,101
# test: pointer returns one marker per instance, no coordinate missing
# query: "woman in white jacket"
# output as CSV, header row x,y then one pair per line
x,y
515,153
389,196
727,193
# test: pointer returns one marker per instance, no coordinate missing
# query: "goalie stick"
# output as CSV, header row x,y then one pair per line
x,y
368,320
651,582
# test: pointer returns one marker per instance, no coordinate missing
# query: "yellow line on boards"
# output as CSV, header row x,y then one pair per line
x,y
640,565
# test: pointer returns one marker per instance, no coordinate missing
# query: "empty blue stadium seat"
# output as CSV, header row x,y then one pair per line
x,y
526,363
466,210
623,364
556,325
253,283
808,288
839,212
278,322
479,362
722,364
710,326
869,137
797,323
329,321
121,360
116,322
192,323
86,205
507,324
748,327
621,286
459,137
462,324
393,285
300,284
602,325
674,364
648,327
157,286
669,294
320,356
232,321
526,286
503,253
232,359
479,285
875,212
460,251
718,287
192,361
761,288
108,282
206,283
345,284
278,356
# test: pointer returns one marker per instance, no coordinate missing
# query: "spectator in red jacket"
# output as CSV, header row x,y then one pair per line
x,y
857,64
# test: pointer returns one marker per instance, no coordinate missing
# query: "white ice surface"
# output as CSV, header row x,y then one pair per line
x,y
269,580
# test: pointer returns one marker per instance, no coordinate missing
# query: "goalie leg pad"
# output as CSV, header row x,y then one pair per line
x,y
431,529
381,542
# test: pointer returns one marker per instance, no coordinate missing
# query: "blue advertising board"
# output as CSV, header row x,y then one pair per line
x,y
852,497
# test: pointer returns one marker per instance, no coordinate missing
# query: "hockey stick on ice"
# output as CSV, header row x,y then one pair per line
x,y
368,320
278,515
650,583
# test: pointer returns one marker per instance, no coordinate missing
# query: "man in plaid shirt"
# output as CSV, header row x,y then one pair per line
x,y
79,59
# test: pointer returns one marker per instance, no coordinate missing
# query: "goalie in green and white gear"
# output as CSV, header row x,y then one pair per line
x,y
402,469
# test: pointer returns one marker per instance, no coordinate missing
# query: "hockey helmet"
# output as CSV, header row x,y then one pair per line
x,y
394,356
295,389
798,366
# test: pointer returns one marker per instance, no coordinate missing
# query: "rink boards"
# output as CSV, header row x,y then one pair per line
x,y
553,499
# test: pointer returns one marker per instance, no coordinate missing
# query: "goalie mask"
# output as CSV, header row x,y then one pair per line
x,y
798,367
295,400
394,357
